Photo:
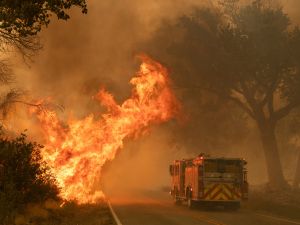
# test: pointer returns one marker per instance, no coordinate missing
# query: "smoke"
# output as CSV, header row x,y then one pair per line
x,y
292,8
142,166
98,49
94,50
91,51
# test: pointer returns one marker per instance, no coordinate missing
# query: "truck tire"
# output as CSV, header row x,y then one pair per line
x,y
177,201
190,203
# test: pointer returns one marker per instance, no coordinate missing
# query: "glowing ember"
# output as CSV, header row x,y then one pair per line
x,y
77,151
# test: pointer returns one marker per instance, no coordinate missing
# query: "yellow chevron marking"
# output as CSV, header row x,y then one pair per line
x,y
228,192
208,188
215,190
221,192
221,196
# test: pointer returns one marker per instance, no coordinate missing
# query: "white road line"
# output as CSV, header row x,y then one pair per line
x,y
279,219
118,222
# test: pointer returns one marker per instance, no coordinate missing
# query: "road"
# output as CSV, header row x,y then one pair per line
x,y
161,211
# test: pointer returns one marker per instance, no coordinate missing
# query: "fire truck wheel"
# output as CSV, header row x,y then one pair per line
x,y
177,201
190,203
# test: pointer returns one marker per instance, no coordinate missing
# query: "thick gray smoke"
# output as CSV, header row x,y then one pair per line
x,y
98,49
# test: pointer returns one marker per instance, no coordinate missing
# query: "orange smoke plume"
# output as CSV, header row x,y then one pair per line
x,y
76,151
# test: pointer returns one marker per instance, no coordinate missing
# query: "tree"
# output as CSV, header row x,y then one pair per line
x,y
26,18
246,54
296,181
24,177
212,125
20,22
292,124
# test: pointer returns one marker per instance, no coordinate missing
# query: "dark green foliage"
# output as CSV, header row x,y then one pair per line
x,y
26,17
24,178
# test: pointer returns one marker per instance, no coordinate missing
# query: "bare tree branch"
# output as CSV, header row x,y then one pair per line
x,y
284,111
15,96
27,46
243,106
270,92
271,105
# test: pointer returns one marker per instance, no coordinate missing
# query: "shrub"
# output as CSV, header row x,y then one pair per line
x,y
24,177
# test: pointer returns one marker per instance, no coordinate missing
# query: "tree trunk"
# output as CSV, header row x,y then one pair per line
x,y
274,168
297,174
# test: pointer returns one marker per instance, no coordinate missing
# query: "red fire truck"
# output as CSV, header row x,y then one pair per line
x,y
209,181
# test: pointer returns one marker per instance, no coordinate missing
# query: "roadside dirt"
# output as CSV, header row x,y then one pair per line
x,y
281,203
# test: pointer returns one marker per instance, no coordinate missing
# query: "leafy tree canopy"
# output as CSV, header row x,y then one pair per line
x,y
26,17
20,22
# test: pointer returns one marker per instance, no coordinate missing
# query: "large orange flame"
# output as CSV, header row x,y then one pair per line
x,y
77,151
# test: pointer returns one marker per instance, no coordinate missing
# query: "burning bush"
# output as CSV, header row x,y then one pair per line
x,y
24,177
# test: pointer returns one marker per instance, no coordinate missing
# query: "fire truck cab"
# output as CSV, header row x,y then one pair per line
x,y
209,181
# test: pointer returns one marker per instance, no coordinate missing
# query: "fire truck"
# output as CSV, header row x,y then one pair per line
x,y
209,181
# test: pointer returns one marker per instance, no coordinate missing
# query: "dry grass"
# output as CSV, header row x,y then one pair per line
x,y
281,203
69,214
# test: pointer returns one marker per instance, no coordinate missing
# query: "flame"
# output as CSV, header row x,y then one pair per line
x,y
76,151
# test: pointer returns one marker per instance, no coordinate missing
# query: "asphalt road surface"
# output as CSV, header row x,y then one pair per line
x,y
156,210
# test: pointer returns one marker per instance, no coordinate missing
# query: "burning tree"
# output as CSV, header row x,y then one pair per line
x,y
245,54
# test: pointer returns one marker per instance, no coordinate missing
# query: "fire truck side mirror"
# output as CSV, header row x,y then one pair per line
x,y
171,170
